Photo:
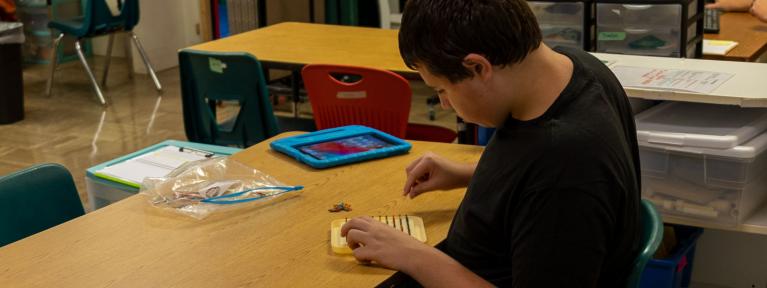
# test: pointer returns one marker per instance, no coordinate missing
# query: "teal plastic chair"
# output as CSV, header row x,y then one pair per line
x,y
210,77
98,20
35,199
652,236
342,12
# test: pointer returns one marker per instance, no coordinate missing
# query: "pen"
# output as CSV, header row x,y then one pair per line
x,y
206,154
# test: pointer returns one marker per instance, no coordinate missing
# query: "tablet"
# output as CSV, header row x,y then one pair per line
x,y
341,145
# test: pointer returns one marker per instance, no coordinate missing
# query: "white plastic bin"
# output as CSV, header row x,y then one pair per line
x,y
700,125
719,185
101,194
646,29
562,23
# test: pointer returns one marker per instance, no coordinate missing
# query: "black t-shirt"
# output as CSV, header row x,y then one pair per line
x,y
554,201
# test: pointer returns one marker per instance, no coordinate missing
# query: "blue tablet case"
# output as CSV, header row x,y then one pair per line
x,y
302,147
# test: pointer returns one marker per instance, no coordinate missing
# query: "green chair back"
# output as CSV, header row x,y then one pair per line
x,y
97,19
352,13
208,77
652,236
342,12
35,199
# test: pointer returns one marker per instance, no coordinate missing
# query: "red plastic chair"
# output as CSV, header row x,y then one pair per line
x,y
375,98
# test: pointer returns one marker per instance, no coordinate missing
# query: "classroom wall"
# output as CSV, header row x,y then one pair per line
x,y
730,259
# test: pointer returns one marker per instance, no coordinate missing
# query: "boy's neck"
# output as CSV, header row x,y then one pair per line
x,y
535,83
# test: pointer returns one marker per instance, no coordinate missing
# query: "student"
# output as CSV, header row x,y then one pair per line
x,y
758,8
554,200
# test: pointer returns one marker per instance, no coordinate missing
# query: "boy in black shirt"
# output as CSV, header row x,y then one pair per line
x,y
554,199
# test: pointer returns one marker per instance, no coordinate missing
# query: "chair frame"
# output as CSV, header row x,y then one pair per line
x,y
130,37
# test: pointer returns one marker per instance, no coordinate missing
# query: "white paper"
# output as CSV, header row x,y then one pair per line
x,y
718,47
157,163
670,79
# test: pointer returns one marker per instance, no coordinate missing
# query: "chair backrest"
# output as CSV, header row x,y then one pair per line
x,y
374,98
342,12
130,12
35,199
98,18
208,77
652,236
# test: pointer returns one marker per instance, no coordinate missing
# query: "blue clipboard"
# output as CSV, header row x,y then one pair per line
x,y
340,146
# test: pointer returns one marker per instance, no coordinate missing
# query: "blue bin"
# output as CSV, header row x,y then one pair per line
x,y
676,270
484,134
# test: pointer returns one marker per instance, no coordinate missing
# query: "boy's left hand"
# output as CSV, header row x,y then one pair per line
x,y
373,241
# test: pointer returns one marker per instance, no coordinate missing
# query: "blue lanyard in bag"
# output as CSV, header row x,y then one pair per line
x,y
221,199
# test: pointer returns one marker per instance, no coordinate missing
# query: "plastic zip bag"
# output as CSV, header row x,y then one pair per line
x,y
202,187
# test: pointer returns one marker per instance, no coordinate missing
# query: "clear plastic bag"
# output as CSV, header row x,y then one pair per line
x,y
200,188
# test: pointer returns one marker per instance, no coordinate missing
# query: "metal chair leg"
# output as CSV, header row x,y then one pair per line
x,y
54,62
109,60
89,72
129,55
146,61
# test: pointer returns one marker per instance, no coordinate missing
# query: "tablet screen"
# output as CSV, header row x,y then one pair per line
x,y
345,146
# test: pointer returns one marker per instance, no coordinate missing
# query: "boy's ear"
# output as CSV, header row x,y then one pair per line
x,y
478,65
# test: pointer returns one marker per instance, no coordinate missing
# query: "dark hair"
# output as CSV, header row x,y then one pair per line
x,y
440,33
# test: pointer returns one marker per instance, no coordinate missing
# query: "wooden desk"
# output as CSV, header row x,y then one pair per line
x,y
131,244
749,32
292,45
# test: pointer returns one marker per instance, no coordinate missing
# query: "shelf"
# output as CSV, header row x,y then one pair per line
x,y
756,224
745,88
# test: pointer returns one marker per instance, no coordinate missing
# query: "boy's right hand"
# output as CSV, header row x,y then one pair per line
x,y
432,172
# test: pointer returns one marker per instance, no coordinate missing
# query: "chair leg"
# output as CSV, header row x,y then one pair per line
x,y
89,72
54,62
109,60
146,61
129,55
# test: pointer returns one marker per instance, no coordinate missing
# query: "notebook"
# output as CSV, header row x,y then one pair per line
x,y
156,163
717,47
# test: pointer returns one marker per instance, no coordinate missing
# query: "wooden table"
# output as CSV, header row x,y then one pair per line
x,y
292,45
131,244
749,32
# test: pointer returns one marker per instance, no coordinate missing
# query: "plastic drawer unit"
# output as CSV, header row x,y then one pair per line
x,y
690,178
566,23
671,28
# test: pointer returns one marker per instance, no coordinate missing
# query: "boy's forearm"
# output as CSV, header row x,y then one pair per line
x,y
466,172
433,268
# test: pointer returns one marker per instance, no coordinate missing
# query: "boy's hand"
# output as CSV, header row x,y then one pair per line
x,y
373,241
432,172
731,5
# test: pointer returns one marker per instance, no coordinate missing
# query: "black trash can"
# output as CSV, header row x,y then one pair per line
x,y
11,78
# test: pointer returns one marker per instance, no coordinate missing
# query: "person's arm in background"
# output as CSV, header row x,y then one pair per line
x,y
731,5
759,10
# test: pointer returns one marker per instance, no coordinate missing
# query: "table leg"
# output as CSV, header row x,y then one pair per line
x,y
261,13
295,82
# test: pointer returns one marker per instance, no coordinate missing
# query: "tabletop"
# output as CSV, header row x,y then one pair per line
x,y
298,44
132,244
741,27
